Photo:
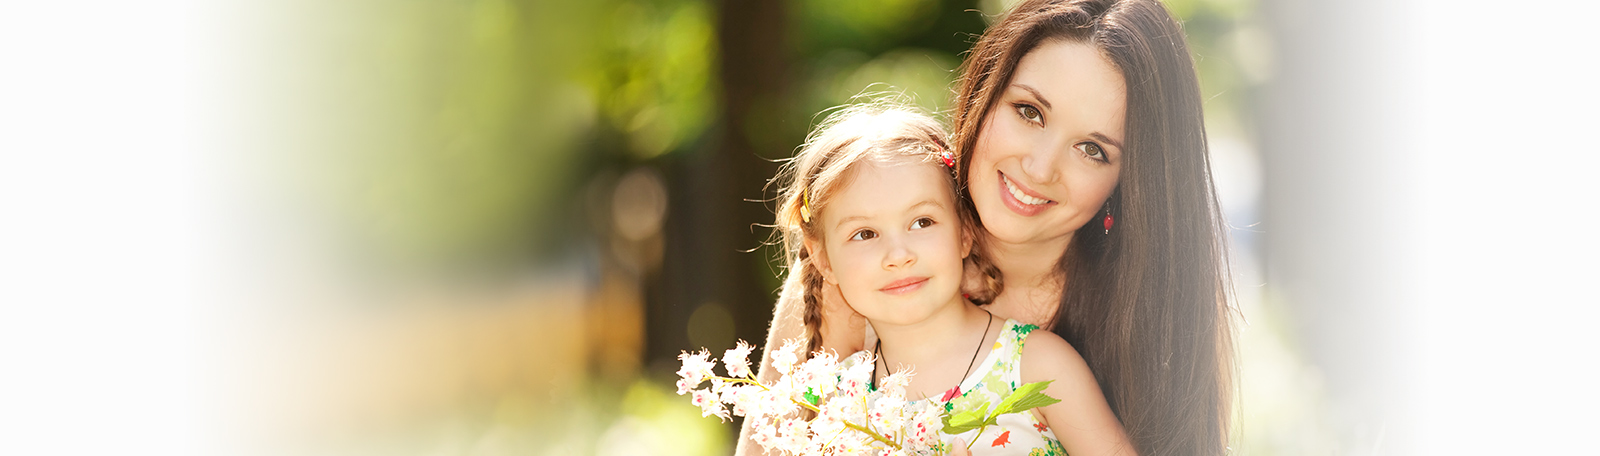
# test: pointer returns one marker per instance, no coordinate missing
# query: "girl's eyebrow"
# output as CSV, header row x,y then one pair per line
x,y
927,202
1035,92
848,219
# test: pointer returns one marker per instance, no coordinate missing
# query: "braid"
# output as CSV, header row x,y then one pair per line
x,y
811,279
990,284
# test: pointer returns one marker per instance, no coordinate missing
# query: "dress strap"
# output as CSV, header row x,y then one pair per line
x,y
1018,333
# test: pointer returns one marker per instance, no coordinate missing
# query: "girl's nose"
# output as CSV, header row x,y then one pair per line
x,y
899,256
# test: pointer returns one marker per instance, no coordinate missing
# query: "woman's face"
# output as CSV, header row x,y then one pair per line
x,y
1049,152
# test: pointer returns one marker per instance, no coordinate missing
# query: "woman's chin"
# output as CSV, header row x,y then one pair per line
x,y
1004,226
1020,231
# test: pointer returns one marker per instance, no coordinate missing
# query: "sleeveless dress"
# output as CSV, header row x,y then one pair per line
x,y
993,380
1000,373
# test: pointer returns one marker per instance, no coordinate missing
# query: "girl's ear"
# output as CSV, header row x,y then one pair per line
x,y
966,241
819,259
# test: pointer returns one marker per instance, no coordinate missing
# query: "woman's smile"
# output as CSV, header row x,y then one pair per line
x,y
1020,199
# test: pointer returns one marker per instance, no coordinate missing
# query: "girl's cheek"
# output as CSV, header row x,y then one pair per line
x,y
942,247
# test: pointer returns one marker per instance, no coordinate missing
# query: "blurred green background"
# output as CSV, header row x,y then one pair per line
x,y
496,222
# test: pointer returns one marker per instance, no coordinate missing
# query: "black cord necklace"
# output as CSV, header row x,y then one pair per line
x,y
878,350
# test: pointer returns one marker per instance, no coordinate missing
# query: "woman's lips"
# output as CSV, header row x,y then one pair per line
x,y
1014,203
905,285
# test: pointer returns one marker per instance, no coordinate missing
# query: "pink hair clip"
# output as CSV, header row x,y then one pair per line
x,y
948,158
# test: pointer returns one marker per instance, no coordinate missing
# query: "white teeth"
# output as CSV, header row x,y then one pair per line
x,y
1023,197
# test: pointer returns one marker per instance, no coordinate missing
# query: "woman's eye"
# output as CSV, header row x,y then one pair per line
x,y
921,223
864,235
1031,113
1093,151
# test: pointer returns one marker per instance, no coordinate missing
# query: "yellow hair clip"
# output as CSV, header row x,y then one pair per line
x,y
805,208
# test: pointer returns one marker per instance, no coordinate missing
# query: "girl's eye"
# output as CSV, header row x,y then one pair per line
x,y
864,235
921,223
1031,113
1093,151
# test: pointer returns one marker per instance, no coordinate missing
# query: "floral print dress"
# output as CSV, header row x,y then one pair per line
x,y
1000,373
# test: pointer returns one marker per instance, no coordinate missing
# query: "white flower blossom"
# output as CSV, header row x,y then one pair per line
x,y
820,374
765,434
737,360
887,410
838,393
696,368
709,406
785,357
685,386
923,429
831,420
793,435
853,381
895,384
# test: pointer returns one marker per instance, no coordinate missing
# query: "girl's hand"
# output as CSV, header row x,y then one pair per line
x,y
958,447
843,329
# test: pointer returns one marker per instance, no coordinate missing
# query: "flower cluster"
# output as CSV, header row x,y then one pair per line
x,y
846,416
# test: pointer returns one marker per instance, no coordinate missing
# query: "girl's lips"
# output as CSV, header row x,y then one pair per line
x,y
1011,201
904,286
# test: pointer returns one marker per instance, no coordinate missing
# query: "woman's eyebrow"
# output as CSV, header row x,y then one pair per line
x,y
1106,139
1046,103
1035,92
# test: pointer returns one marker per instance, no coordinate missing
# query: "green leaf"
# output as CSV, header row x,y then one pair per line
x,y
812,398
1026,397
1033,401
967,420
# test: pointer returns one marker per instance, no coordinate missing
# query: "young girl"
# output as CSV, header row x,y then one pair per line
x,y
870,205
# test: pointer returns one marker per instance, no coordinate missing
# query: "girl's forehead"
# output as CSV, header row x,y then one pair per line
x,y
930,174
874,187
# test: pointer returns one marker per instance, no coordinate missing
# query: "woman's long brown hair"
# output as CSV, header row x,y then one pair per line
x,y
1147,306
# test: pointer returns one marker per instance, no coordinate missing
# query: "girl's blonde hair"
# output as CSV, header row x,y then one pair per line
x,y
881,132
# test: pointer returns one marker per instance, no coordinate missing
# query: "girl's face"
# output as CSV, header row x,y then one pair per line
x,y
1049,152
892,242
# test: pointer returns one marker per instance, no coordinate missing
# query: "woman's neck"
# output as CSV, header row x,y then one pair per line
x,y
1033,279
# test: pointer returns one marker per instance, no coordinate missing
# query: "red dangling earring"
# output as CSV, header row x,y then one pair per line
x,y
1109,220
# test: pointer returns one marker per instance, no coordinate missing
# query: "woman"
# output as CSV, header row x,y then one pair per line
x,y
1082,147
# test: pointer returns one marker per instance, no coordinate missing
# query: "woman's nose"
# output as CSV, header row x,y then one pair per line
x,y
1040,163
